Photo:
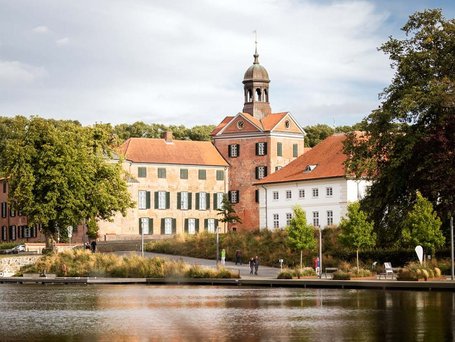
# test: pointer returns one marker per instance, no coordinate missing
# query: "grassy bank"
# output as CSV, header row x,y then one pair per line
x,y
80,263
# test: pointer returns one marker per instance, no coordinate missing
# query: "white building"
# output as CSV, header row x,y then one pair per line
x,y
316,181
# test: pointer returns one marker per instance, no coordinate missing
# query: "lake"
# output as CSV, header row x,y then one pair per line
x,y
205,313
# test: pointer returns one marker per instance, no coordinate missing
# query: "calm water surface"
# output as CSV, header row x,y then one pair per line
x,y
181,313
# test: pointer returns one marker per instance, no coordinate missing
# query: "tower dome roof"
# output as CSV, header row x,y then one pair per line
x,y
256,72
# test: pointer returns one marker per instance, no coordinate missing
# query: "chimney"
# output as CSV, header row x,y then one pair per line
x,y
167,136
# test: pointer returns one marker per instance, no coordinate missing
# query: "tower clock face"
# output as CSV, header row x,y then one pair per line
x,y
240,124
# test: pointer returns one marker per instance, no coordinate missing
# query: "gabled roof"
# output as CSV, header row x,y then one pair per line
x,y
325,160
147,150
267,124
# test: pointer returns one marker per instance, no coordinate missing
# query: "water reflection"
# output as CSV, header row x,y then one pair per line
x,y
181,313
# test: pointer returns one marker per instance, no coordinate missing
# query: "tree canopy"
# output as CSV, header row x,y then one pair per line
x,y
422,226
409,140
227,212
356,231
316,133
59,172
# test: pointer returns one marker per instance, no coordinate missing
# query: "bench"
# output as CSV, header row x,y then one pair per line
x,y
329,270
388,270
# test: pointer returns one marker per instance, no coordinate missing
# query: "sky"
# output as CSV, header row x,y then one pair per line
x,y
182,62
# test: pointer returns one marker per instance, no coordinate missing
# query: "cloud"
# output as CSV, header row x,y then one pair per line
x,y
14,73
62,41
41,29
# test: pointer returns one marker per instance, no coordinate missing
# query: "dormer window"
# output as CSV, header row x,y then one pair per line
x,y
310,167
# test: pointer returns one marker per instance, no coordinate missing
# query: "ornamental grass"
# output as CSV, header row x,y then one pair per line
x,y
82,263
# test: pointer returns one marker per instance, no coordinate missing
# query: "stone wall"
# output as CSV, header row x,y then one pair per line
x,y
9,265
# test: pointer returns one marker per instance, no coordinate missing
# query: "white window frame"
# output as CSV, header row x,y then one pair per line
x,y
184,200
168,226
192,226
276,220
219,200
288,218
329,217
288,194
161,200
211,225
142,199
202,201
234,150
145,225
315,192
261,172
329,191
276,195
316,218
301,193
261,149
234,198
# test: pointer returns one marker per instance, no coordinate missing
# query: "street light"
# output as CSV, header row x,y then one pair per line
x,y
451,242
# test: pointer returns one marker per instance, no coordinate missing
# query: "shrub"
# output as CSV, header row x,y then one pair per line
x,y
360,273
407,274
285,274
341,275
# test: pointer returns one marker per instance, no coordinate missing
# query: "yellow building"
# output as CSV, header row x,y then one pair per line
x,y
177,185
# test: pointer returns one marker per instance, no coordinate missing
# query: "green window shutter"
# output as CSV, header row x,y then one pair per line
x,y
265,171
229,151
190,200
257,149
257,172
197,200
206,223
238,150
183,173
265,148
150,225
216,224
215,200
219,175
140,227
208,201
147,199
279,149
156,199
202,174
256,196
179,200
174,226
186,226
295,150
162,226
168,200
197,226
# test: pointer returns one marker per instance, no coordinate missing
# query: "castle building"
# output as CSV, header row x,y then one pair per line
x,y
255,142
178,187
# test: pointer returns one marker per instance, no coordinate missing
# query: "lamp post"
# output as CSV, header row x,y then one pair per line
x,y
451,242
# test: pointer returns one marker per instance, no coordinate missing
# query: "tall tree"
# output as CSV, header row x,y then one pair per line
x,y
227,212
59,173
422,226
409,139
356,231
300,233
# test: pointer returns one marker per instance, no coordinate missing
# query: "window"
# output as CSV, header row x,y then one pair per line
x,y
218,200
142,172
288,218
329,217
12,232
315,192
261,148
276,195
219,175
279,149
278,168
301,193
261,172
202,174
234,196
183,173
240,124
287,124
295,150
162,200
161,172
191,226
316,218
202,201
329,191
234,150
5,186
276,221
168,226
4,233
145,226
288,194
184,200
4,209
310,168
211,225
143,199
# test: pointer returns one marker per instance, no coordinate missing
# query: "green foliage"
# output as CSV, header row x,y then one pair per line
x,y
415,271
422,226
356,231
408,145
316,133
81,263
227,212
58,172
341,275
285,274
7,245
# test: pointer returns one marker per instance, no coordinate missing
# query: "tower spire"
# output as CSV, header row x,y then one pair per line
x,y
256,55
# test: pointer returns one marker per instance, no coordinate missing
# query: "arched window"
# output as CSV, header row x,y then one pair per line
x,y
249,97
266,95
258,94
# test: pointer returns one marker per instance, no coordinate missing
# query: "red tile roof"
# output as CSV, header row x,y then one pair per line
x,y
146,150
328,157
266,124
270,121
223,123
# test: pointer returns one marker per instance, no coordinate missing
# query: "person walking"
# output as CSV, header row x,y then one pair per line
x,y
223,257
251,265
256,265
93,245
238,257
